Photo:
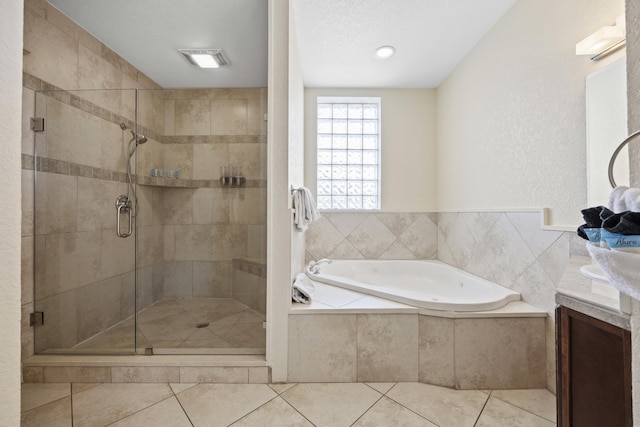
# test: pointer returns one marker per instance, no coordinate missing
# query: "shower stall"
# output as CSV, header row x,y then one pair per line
x,y
139,246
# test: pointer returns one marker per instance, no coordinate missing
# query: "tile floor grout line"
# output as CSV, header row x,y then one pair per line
x,y
382,396
140,410
519,407
294,408
482,410
411,410
182,407
523,409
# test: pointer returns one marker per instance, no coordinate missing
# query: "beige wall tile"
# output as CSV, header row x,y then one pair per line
x,y
118,254
26,269
421,238
169,117
98,307
436,351
230,375
208,158
251,157
56,203
54,54
499,353
194,243
150,374
229,116
150,247
192,117
84,374
371,238
257,242
211,279
28,188
28,111
71,260
94,72
229,242
114,145
72,134
211,206
59,331
387,347
178,279
177,206
248,206
96,204
179,157
169,242
322,348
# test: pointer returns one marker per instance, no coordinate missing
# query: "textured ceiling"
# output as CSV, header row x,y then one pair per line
x,y
336,38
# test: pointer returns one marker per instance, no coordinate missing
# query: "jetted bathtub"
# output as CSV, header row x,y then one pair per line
x,y
426,284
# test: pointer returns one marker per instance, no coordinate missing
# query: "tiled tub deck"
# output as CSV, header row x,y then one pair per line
x,y
345,336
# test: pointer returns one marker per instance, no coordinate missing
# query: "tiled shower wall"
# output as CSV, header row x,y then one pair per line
x,y
74,239
192,131
208,226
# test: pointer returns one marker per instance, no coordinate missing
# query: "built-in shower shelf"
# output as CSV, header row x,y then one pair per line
x,y
156,181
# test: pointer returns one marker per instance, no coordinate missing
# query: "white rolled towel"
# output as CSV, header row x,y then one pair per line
x,y
302,289
624,199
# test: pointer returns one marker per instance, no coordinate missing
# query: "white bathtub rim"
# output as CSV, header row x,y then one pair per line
x,y
367,304
404,297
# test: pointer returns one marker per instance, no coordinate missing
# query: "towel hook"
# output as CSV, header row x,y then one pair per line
x,y
628,139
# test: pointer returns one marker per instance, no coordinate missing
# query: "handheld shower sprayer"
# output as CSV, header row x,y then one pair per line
x,y
139,138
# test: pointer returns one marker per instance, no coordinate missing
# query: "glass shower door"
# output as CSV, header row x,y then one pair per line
x,y
84,243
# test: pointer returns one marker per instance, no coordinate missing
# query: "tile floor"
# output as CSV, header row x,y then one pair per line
x,y
171,324
305,404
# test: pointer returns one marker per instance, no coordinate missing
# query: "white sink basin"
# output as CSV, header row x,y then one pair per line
x,y
593,272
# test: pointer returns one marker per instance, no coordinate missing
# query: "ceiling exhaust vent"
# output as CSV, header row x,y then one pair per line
x,y
206,58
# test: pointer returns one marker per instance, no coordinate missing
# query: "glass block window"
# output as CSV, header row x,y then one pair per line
x,y
348,160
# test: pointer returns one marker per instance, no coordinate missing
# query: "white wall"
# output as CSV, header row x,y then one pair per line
x,y
633,99
511,118
10,135
408,145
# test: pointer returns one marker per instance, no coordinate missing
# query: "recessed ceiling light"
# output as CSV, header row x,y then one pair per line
x,y
206,58
385,52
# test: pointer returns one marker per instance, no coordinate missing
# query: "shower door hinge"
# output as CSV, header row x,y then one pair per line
x,y
36,318
37,124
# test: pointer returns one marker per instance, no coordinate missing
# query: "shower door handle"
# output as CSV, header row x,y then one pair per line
x,y
123,206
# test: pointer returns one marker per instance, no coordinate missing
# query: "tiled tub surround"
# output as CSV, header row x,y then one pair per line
x,y
366,235
345,336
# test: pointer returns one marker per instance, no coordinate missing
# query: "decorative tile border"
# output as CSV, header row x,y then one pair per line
x,y
70,98
250,267
62,167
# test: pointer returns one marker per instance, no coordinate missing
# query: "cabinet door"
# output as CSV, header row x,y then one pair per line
x,y
594,371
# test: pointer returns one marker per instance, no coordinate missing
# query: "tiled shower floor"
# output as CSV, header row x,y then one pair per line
x,y
171,326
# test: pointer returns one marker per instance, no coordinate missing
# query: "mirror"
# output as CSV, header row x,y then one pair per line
x,y
606,101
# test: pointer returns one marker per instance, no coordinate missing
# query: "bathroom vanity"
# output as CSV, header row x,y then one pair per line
x,y
593,354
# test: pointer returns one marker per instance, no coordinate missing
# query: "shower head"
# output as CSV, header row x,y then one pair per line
x,y
139,138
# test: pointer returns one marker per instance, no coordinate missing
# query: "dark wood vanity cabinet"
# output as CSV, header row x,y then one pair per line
x,y
593,371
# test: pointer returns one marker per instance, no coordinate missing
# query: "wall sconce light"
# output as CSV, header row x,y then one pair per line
x,y
205,58
604,41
